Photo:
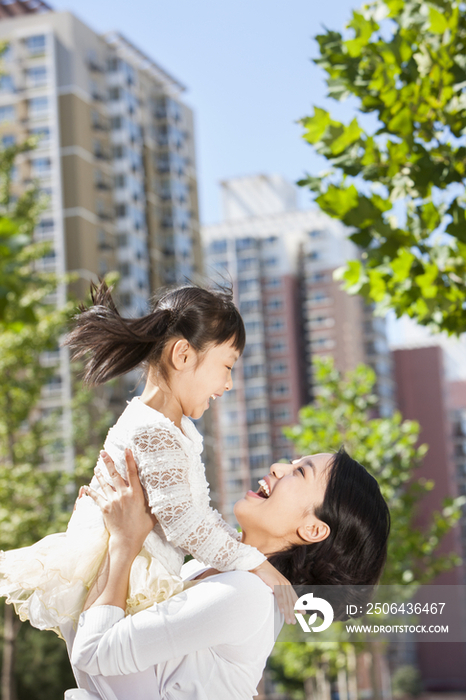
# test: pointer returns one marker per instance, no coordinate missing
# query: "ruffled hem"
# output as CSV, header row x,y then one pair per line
x,y
48,582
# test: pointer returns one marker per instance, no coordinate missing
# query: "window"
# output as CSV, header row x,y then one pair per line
x,y
7,114
277,325
279,368
274,304
316,234
6,83
45,228
257,439
273,282
114,94
257,415
116,122
270,262
247,285
120,180
278,348
8,140
36,44
251,371
279,390
318,277
321,321
218,247
259,461
36,76
112,65
38,106
118,152
42,133
244,243
322,343
246,264
124,269
41,166
319,296
120,211
281,413
314,255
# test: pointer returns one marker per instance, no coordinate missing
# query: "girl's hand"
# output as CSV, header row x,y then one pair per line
x,y
123,505
285,595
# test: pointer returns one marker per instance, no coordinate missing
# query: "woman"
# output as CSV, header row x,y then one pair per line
x,y
319,520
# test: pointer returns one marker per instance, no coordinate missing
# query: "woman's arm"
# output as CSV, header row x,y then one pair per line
x,y
129,521
224,610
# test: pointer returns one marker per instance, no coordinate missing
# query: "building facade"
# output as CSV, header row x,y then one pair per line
x,y
280,261
114,159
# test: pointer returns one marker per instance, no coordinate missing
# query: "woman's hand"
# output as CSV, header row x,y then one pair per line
x,y
285,594
123,505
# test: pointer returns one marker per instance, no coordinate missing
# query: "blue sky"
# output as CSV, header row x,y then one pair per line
x,y
247,67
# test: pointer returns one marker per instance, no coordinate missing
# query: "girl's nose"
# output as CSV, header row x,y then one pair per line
x,y
229,384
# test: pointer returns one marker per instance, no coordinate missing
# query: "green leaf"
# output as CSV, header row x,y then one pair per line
x,y
438,21
338,201
315,126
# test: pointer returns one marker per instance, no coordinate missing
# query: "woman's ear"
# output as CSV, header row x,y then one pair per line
x,y
314,530
181,353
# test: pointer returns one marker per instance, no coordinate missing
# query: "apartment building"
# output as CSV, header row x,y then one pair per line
x,y
280,261
114,158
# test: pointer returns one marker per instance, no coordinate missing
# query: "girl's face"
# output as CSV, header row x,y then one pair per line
x,y
207,377
282,511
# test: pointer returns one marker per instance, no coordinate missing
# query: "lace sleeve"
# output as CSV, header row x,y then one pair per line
x,y
163,469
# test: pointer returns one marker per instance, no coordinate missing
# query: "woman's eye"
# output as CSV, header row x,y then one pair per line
x,y
301,469
229,368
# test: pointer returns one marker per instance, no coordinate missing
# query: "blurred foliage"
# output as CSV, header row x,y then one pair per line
x,y
399,185
37,489
406,682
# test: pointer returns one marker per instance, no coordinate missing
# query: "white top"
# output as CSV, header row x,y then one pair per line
x,y
173,477
209,642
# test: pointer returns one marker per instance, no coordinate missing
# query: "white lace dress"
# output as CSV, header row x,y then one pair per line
x,y
48,582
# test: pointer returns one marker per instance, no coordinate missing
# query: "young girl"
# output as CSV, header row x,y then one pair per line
x,y
188,345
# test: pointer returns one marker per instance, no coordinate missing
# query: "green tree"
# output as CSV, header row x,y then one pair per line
x,y
32,499
397,178
342,413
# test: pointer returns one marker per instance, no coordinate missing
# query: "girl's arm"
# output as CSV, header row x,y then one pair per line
x,y
163,469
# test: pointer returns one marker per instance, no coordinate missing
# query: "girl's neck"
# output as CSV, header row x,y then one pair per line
x,y
163,401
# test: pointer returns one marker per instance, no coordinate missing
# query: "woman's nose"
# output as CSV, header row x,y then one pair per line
x,y
229,384
280,469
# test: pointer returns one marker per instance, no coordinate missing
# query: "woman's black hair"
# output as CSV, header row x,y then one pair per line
x,y
354,553
115,345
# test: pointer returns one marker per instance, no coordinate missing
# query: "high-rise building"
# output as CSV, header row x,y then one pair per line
x,y
424,395
281,261
115,157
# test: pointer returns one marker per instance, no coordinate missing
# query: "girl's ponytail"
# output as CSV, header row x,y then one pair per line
x,y
116,345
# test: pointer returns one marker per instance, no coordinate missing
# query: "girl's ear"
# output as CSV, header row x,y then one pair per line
x,y
181,353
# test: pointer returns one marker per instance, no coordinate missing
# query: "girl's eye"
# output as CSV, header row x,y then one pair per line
x,y
229,368
301,469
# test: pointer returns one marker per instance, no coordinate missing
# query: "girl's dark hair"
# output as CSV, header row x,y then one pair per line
x,y
116,345
354,553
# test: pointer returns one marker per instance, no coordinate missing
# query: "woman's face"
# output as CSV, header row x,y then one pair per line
x,y
283,508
